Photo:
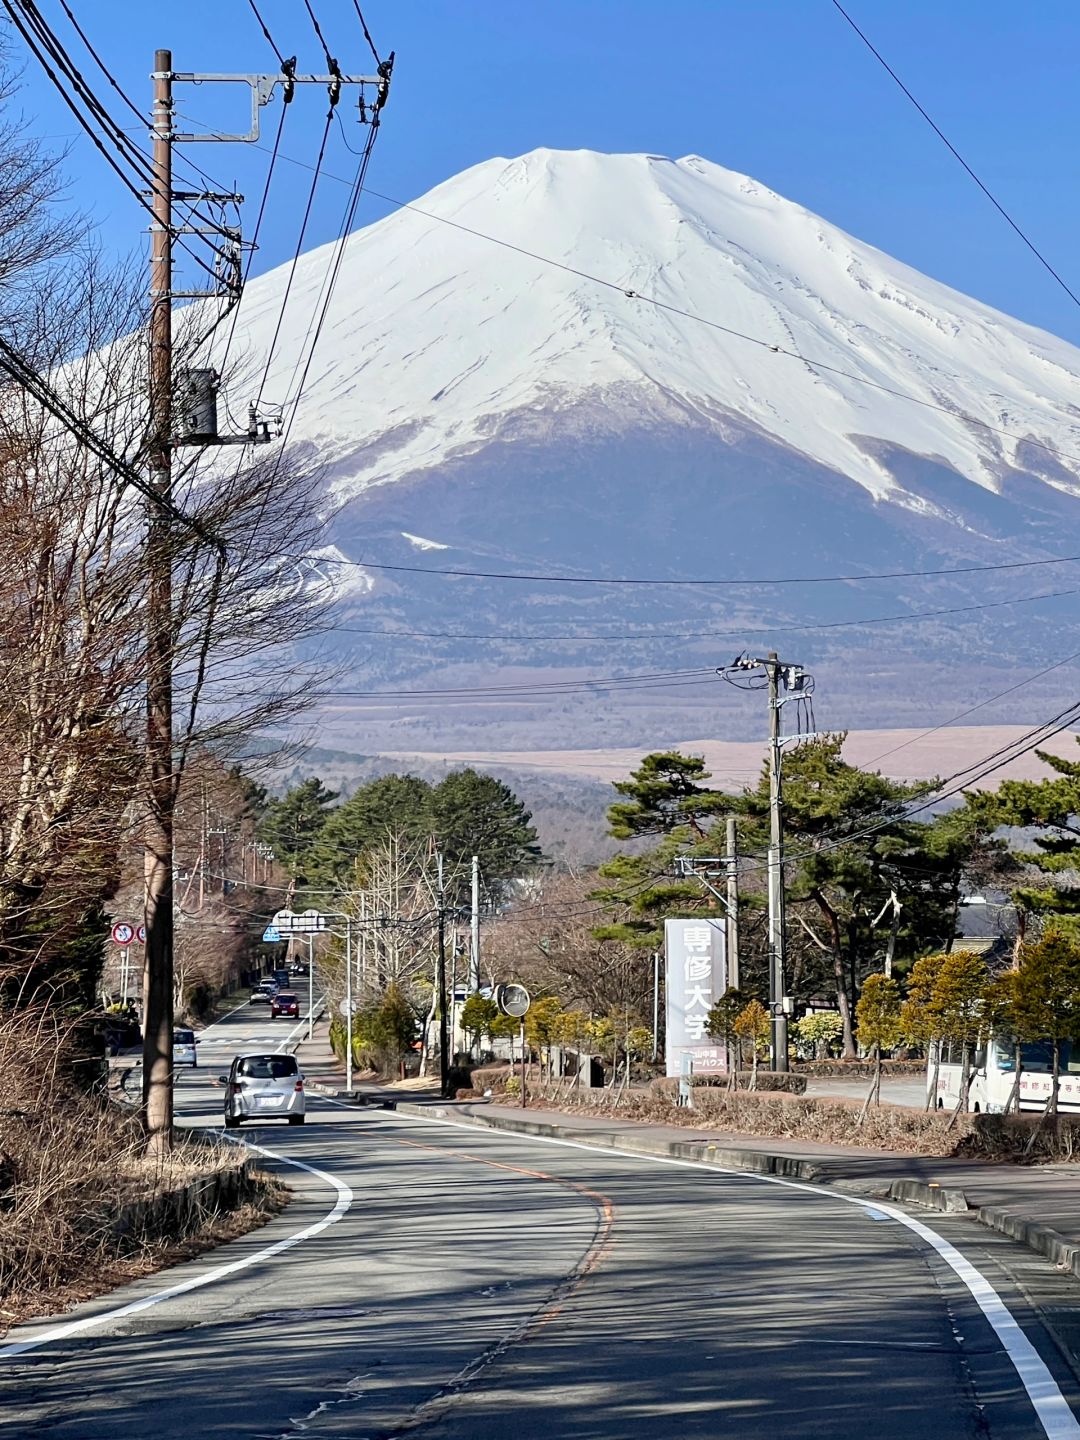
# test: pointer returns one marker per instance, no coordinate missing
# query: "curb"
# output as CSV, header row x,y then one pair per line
x,y
355,1097
1051,1244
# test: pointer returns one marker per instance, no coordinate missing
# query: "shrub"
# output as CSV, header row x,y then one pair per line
x,y
892,1127
490,1077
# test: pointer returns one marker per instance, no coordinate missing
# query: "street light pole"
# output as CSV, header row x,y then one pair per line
x,y
348,1003
311,985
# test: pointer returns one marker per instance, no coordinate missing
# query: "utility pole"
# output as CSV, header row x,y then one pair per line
x,y
348,1004
731,865
160,796
444,1059
474,932
161,774
776,874
799,686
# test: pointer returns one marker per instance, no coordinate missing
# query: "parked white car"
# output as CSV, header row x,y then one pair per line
x,y
263,1087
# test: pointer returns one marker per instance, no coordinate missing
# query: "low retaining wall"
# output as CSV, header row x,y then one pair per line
x,y
180,1211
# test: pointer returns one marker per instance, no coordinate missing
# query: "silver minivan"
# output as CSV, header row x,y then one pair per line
x,y
263,1087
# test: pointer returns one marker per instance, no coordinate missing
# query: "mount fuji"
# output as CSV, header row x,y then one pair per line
x,y
626,365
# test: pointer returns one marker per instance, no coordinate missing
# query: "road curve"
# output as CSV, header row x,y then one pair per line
x,y
484,1285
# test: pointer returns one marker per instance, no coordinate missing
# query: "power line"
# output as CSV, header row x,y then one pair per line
x,y
330,279
563,579
49,52
296,256
256,232
367,32
1012,689
1043,261
385,70
704,634
952,785
331,63
263,27
24,374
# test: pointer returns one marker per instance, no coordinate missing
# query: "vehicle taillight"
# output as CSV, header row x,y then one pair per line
x,y
235,1087
299,1084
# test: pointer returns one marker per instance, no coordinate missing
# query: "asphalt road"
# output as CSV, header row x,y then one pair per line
x,y
484,1286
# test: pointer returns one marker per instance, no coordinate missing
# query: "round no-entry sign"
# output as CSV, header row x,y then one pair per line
x,y
123,933
140,934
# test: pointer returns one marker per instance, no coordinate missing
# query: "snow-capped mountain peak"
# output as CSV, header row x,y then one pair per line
x,y
439,339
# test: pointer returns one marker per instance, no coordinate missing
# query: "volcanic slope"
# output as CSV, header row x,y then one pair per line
x,y
476,407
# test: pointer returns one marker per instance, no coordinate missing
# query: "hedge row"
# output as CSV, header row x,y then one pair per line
x,y
796,1117
858,1069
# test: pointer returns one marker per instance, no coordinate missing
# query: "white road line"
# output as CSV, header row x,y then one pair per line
x,y
92,1322
1051,1407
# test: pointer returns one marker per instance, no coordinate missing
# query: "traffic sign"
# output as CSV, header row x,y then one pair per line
x,y
309,922
272,935
123,933
347,1007
140,934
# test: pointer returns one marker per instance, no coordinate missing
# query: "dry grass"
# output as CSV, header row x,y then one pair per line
x,y
836,1122
81,1207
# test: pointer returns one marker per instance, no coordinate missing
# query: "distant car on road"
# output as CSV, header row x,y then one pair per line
x,y
263,1087
284,1004
281,979
183,1047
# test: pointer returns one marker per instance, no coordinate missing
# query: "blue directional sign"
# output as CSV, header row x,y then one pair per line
x,y
272,935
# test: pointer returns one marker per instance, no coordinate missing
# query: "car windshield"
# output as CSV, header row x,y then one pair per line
x,y
183,1037
286,999
268,1067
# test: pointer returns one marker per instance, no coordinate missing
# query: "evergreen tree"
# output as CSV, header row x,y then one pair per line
x,y
664,793
1051,808
291,825
398,804
475,814
853,857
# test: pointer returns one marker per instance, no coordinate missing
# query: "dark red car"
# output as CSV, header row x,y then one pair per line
x,y
284,1004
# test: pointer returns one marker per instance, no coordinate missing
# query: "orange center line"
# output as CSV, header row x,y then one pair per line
x,y
598,1246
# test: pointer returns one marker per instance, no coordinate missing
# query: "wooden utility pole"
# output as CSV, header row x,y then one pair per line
x,y
440,983
731,866
160,780
776,873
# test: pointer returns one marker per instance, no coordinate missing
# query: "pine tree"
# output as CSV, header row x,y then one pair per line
x,y
291,824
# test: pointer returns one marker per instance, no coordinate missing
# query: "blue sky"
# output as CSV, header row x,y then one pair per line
x,y
780,89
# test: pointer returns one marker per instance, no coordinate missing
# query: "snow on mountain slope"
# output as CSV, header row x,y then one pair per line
x,y
437,338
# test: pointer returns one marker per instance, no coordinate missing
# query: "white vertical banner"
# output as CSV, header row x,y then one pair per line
x,y
696,974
